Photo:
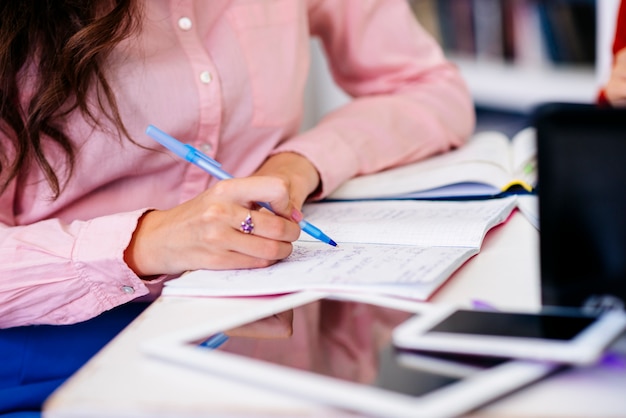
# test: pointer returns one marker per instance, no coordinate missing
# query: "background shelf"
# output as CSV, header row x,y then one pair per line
x,y
520,88
505,87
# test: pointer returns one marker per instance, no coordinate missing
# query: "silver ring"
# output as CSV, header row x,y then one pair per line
x,y
246,225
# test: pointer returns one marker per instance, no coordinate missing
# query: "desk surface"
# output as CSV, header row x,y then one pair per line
x,y
121,381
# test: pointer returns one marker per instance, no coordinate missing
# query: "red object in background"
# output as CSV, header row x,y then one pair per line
x,y
618,43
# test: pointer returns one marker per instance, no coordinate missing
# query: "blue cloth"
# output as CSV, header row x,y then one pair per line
x,y
35,360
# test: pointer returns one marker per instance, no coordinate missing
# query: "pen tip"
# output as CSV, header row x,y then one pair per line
x,y
333,243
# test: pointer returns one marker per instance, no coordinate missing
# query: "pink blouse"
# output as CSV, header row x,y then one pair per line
x,y
228,77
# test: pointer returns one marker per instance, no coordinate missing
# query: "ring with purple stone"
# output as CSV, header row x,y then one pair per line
x,y
247,226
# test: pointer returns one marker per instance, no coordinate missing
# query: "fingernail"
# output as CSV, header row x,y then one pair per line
x,y
296,215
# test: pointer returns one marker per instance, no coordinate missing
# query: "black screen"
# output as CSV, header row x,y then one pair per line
x,y
500,324
350,341
582,205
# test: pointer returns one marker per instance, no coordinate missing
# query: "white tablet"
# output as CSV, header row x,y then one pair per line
x,y
339,351
565,336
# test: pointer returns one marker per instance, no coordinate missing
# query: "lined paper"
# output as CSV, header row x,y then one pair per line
x,y
402,248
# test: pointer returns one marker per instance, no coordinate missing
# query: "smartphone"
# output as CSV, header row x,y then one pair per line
x,y
567,336
338,351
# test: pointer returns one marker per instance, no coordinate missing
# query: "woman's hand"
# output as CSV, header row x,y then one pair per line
x,y
300,176
204,233
615,89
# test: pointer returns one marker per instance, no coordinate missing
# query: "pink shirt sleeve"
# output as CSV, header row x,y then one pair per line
x,y
66,273
409,101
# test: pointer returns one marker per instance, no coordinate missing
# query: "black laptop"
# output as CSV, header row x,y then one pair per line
x,y
582,205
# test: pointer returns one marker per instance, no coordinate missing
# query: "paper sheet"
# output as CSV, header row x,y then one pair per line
x,y
402,248
408,222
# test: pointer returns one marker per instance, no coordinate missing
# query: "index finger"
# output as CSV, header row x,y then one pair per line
x,y
269,192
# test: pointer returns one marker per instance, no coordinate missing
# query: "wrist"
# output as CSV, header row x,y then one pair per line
x,y
302,174
136,253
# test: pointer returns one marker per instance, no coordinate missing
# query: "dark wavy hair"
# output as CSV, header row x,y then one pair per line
x,y
67,42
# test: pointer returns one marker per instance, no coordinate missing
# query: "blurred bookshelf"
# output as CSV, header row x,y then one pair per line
x,y
516,54
507,83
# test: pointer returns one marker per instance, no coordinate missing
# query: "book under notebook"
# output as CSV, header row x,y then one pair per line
x,y
489,164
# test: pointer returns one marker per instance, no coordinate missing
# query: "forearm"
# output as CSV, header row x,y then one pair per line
x,y
374,133
409,101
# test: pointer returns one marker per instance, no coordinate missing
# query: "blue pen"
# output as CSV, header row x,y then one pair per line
x,y
214,341
212,167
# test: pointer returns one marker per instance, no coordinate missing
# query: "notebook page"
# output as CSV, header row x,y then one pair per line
x,y
409,248
314,265
407,222
484,149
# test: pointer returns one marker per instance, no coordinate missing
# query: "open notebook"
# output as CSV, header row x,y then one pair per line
x,y
400,248
490,164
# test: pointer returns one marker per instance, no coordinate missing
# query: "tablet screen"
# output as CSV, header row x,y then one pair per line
x,y
350,341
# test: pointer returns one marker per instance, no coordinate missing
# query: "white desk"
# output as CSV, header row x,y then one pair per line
x,y
122,382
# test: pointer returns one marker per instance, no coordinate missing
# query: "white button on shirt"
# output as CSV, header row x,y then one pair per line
x,y
128,290
206,148
206,77
184,23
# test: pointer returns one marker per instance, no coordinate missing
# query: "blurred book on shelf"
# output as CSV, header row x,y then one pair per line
x,y
521,32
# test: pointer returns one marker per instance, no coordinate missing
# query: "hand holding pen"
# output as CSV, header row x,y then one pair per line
x,y
205,232
214,168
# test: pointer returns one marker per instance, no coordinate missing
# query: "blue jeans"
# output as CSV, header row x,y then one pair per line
x,y
35,360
